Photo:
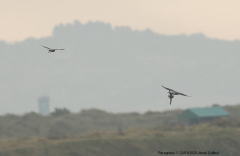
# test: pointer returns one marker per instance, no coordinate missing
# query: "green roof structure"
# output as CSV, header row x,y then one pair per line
x,y
207,112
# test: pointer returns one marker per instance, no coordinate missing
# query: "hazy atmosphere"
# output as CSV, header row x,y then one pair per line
x,y
92,77
215,18
118,70
119,62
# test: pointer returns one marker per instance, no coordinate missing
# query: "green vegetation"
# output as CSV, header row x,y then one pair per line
x,y
96,132
204,137
60,111
62,123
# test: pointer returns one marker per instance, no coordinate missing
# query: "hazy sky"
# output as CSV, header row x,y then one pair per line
x,y
215,18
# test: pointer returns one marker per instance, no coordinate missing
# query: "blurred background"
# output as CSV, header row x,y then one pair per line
x,y
118,66
108,79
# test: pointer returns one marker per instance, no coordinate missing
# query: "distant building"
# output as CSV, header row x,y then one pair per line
x,y
198,115
43,105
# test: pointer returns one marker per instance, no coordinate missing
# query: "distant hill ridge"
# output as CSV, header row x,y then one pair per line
x,y
117,69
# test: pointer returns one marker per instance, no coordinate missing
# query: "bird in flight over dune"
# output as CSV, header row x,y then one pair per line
x,y
172,93
51,50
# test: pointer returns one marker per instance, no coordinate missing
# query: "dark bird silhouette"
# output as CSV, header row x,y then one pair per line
x,y
172,93
51,50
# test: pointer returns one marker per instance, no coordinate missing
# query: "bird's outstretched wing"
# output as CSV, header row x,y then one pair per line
x,y
175,92
58,49
168,89
182,94
45,47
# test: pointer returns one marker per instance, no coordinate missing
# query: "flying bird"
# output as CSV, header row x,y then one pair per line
x,y
172,93
51,50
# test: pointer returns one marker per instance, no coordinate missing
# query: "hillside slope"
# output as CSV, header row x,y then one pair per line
x,y
205,138
118,70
